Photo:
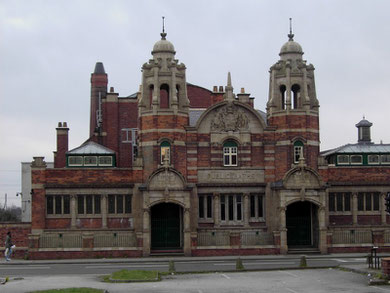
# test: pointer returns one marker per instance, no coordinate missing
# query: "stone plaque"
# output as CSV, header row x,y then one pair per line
x,y
165,179
231,176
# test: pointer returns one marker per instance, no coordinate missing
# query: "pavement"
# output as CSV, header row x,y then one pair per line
x,y
28,284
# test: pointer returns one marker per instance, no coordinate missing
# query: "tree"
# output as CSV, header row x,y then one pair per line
x,y
12,214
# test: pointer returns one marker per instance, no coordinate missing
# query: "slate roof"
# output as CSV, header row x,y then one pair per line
x,y
91,147
359,148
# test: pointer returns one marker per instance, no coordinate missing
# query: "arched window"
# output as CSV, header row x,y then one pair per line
x,y
230,153
296,93
151,89
283,96
164,96
165,151
298,150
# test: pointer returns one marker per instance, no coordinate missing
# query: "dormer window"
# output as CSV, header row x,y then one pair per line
x,y
230,153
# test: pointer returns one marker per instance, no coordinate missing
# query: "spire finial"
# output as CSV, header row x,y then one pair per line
x,y
163,34
290,35
229,80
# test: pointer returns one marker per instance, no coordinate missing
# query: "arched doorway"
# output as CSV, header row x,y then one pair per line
x,y
166,227
302,225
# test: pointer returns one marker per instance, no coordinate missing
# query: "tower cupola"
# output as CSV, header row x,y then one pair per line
x,y
292,85
163,80
364,131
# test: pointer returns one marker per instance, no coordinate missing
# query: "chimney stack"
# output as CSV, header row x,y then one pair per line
x,y
62,145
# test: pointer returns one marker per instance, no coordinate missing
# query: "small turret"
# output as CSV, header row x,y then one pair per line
x,y
364,131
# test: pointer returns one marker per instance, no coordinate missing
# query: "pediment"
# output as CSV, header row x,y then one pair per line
x,y
230,117
166,178
302,178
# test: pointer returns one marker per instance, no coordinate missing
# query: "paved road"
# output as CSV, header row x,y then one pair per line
x,y
277,281
188,265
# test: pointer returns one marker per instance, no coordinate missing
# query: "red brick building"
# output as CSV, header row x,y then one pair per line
x,y
182,169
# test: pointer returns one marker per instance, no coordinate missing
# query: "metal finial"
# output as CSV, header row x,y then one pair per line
x,y
163,34
290,35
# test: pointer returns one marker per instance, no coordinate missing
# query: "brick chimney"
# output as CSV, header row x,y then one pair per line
x,y
62,145
99,81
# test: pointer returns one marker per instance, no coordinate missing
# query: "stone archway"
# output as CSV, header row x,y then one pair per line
x,y
166,227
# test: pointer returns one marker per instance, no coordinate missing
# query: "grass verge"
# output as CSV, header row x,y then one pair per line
x,y
133,276
71,290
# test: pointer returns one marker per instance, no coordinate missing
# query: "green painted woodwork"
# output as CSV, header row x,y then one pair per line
x,y
165,226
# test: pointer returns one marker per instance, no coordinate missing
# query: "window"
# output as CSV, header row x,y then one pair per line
x,y
373,159
119,204
256,206
90,161
230,153
105,161
343,159
385,159
205,206
283,96
356,159
129,135
340,202
88,204
298,151
165,149
368,201
75,160
58,204
231,207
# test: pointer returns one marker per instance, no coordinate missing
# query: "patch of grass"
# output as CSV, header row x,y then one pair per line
x,y
71,290
239,265
135,276
303,263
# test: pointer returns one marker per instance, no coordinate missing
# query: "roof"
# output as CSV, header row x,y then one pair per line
x,y
359,148
195,115
91,147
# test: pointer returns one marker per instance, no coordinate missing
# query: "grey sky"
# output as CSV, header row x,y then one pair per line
x,y
48,50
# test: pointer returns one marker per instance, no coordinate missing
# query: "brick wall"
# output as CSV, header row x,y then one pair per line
x,y
19,236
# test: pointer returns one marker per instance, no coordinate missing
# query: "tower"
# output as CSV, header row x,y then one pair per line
x,y
163,108
292,108
99,83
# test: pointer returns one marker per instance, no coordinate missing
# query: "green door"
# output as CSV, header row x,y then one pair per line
x,y
166,226
299,224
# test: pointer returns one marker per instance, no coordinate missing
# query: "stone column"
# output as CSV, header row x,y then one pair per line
x,y
187,232
246,210
146,232
216,213
104,210
288,87
382,201
354,208
283,230
323,241
73,211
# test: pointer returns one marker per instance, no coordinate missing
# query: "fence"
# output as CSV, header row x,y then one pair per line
x,y
214,238
75,240
115,239
257,238
352,237
60,240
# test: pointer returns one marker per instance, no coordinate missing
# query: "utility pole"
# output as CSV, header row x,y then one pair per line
x,y
5,202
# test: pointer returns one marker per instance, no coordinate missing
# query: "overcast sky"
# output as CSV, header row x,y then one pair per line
x,y
48,50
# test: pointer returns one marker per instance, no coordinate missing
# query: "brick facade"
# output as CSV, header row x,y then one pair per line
x,y
228,178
